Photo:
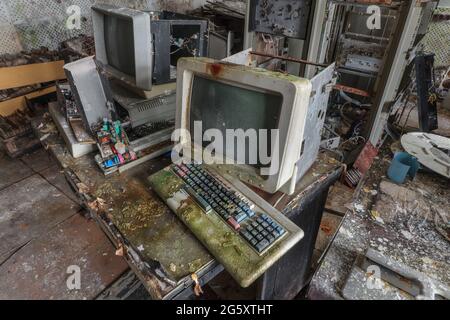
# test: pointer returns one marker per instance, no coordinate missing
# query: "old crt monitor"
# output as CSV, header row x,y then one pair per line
x,y
226,96
142,48
123,44
238,227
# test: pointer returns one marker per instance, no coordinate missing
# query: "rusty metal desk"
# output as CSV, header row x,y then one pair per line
x,y
158,247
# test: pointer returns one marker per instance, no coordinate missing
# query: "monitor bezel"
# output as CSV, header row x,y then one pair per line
x,y
143,44
295,92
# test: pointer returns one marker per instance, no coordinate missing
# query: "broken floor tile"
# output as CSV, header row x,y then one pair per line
x,y
41,269
57,179
39,160
12,170
28,209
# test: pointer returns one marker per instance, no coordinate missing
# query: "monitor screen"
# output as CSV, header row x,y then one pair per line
x,y
222,105
119,44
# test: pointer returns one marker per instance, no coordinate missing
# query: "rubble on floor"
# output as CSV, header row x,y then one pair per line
x,y
406,225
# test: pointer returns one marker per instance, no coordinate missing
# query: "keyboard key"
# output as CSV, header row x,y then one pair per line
x,y
241,217
250,213
269,220
233,223
263,244
247,235
259,237
223,213
200,201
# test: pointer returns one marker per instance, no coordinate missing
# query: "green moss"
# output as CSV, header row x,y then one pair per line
x,y
224,243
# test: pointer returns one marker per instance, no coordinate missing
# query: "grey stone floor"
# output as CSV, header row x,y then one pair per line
x,y
42,234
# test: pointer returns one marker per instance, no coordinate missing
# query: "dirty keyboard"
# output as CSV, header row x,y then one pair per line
x,y
256,238
260,231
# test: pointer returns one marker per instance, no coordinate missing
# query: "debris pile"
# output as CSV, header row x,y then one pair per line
x,y
79,47
16,124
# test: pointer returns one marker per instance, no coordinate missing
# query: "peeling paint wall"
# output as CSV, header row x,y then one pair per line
x,y
29,24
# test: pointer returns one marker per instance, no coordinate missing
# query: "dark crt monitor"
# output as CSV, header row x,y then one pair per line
x,y
119,44
225,105
124,44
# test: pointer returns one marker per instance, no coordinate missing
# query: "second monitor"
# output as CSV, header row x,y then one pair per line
x,y
142,48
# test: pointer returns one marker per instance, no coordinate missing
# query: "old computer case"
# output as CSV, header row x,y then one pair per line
x,y
170,30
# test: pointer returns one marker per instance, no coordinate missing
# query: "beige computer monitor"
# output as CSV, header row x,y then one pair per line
x,y
289,94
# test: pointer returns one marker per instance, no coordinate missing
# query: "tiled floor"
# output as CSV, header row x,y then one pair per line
x,y
42,234
12,171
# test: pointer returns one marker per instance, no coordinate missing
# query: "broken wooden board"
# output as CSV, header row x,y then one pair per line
x,y
25,75
30,208
8,107
40,270
339,199
22,144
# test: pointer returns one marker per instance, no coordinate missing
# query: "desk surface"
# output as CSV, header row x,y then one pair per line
x,y
404,223
158,247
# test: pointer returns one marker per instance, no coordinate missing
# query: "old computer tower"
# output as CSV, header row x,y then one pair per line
x,y
175,36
